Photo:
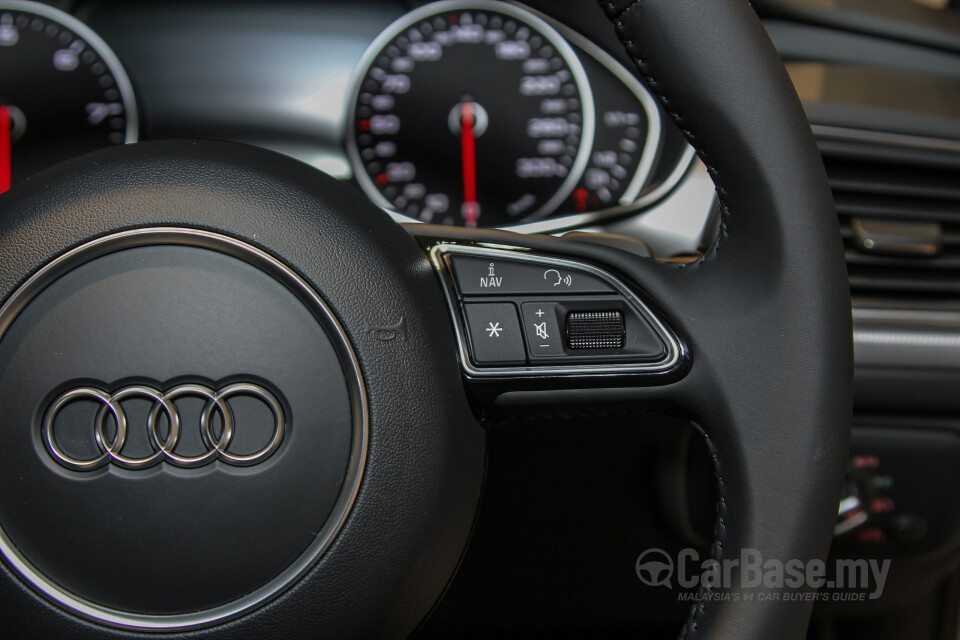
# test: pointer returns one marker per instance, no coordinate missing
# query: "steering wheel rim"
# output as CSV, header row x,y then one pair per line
x,y
779,465
765,313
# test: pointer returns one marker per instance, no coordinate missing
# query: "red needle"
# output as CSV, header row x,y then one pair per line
x,y
468,153
5,169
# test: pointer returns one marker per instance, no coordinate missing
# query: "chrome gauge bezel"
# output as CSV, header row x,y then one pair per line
x,y
533,20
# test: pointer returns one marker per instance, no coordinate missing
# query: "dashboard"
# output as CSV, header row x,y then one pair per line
x,y
501,114
559,132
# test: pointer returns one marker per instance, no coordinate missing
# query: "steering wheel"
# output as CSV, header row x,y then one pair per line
x,y
163,286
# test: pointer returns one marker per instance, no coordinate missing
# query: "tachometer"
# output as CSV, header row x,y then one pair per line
x,y
470,113
62,91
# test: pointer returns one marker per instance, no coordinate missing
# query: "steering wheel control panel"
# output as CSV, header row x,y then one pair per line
x,y
521,314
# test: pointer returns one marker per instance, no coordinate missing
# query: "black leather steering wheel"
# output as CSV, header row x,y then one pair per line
x,y
216,269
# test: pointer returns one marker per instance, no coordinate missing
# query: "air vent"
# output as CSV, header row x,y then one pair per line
x,y
899,211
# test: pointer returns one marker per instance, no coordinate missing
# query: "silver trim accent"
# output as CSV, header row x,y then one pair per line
x,y
100,46
848,504
850,523
676,351
356,385
163,448
524,15
686,165
896,237
907,339
830,132
682,223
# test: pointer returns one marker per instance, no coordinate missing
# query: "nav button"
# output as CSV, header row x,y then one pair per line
x,y
493,276
495,333
542,329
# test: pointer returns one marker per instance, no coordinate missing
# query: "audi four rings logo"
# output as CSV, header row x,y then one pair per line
x,y
164,448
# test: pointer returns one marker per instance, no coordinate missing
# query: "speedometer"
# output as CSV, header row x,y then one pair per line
x,y
470,113
62,91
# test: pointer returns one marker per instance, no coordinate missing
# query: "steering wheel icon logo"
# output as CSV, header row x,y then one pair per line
x,y
655,568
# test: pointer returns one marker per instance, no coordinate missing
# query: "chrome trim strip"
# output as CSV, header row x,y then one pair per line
x,y
923,317
680,223
906,339
850,523
685,166
103,50
676,351
830,132
522,14
356,385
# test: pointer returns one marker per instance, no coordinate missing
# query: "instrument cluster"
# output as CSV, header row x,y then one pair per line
x,y
460,112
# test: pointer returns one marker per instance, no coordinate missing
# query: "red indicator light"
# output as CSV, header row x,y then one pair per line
x,y
580,198
881,505
871,535
866,461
